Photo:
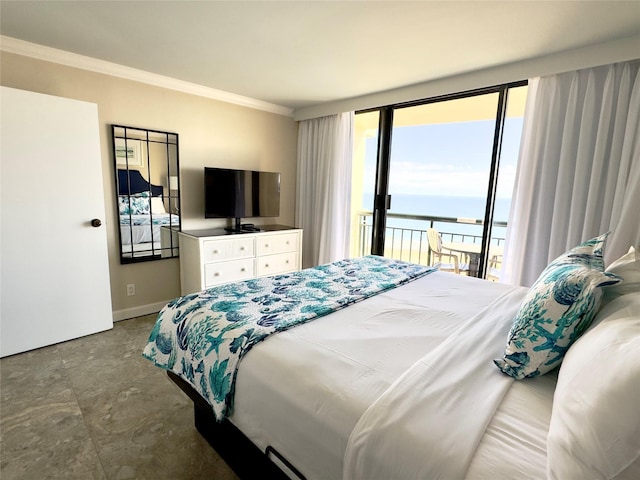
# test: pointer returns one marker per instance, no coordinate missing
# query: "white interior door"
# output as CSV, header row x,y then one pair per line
x,y
54,263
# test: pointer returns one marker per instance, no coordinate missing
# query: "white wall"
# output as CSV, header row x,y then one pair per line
x,y
221,134
600,54
211,133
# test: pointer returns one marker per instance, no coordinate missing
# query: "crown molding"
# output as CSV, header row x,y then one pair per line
x,y
41,52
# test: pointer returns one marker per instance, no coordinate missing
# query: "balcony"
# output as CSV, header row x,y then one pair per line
x,y
410,244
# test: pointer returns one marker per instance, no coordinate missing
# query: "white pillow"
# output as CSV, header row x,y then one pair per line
x,y
627,267
157,206
595,422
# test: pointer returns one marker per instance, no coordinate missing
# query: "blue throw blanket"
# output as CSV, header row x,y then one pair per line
x,y
202,337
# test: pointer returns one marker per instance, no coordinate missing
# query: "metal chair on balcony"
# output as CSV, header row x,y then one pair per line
x,y
438,253
495,265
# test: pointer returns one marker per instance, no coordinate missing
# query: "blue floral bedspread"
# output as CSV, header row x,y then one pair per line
x,y
202,337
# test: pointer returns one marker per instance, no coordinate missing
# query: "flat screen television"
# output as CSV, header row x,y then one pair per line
x,y
238,194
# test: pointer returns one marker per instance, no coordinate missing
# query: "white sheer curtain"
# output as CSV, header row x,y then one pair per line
x,y
579,168
323,195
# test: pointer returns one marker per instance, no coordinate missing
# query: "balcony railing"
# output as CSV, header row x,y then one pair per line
x,y
410,243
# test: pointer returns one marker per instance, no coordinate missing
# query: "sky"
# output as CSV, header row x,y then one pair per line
x,y
449,159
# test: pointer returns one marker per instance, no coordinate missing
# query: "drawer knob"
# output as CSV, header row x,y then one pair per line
x,y
287,242
287,261
266,245
266,265
215,252
217,274
242,249
243,269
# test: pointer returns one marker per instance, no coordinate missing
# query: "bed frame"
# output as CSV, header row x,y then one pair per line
x,y
240,453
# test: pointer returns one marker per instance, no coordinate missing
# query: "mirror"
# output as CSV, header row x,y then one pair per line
x,y
148,193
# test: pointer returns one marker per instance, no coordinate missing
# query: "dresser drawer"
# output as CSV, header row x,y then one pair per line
x,y
231,271
220,250
268,244
274,264
211,257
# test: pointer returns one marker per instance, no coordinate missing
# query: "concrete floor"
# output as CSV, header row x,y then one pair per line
x,y
93,408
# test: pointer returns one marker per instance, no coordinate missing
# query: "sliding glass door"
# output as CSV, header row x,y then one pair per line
x,y
444,164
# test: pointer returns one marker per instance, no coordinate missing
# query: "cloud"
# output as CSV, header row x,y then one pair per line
x,y
432,179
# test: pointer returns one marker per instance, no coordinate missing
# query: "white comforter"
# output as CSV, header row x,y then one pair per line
x,y
144,230
317,393
429,423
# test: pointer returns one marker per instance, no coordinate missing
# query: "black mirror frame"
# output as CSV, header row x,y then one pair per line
x,y
161,239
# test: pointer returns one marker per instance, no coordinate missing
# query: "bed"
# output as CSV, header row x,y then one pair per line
x,y
141,230
142,215
403,381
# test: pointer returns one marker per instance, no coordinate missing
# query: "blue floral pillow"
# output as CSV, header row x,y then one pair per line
x,y
557,310
137,204
123,204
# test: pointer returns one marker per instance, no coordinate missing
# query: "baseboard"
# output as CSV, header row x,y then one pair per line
x,y
127,313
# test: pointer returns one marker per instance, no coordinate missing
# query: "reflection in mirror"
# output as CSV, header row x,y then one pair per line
x,y
148,193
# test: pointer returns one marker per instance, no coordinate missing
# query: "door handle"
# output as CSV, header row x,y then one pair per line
x,y
96,222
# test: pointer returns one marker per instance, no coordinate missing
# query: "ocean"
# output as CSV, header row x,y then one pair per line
x,y
444,206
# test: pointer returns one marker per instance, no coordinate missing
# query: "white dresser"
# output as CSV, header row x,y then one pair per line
x,y
212,257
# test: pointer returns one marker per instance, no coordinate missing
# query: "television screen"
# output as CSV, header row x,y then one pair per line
x,y
233,193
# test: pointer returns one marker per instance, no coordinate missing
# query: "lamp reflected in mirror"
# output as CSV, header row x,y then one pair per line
x,y
174,187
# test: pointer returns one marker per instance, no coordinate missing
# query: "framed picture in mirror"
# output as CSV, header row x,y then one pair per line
x,y
128,152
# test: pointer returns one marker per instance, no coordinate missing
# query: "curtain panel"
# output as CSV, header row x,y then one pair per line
x,y
579,168
323,194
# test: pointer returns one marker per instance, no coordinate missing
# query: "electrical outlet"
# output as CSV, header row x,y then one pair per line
x,y
131,289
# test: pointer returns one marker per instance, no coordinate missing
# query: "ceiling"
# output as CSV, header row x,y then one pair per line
x,y
302,53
